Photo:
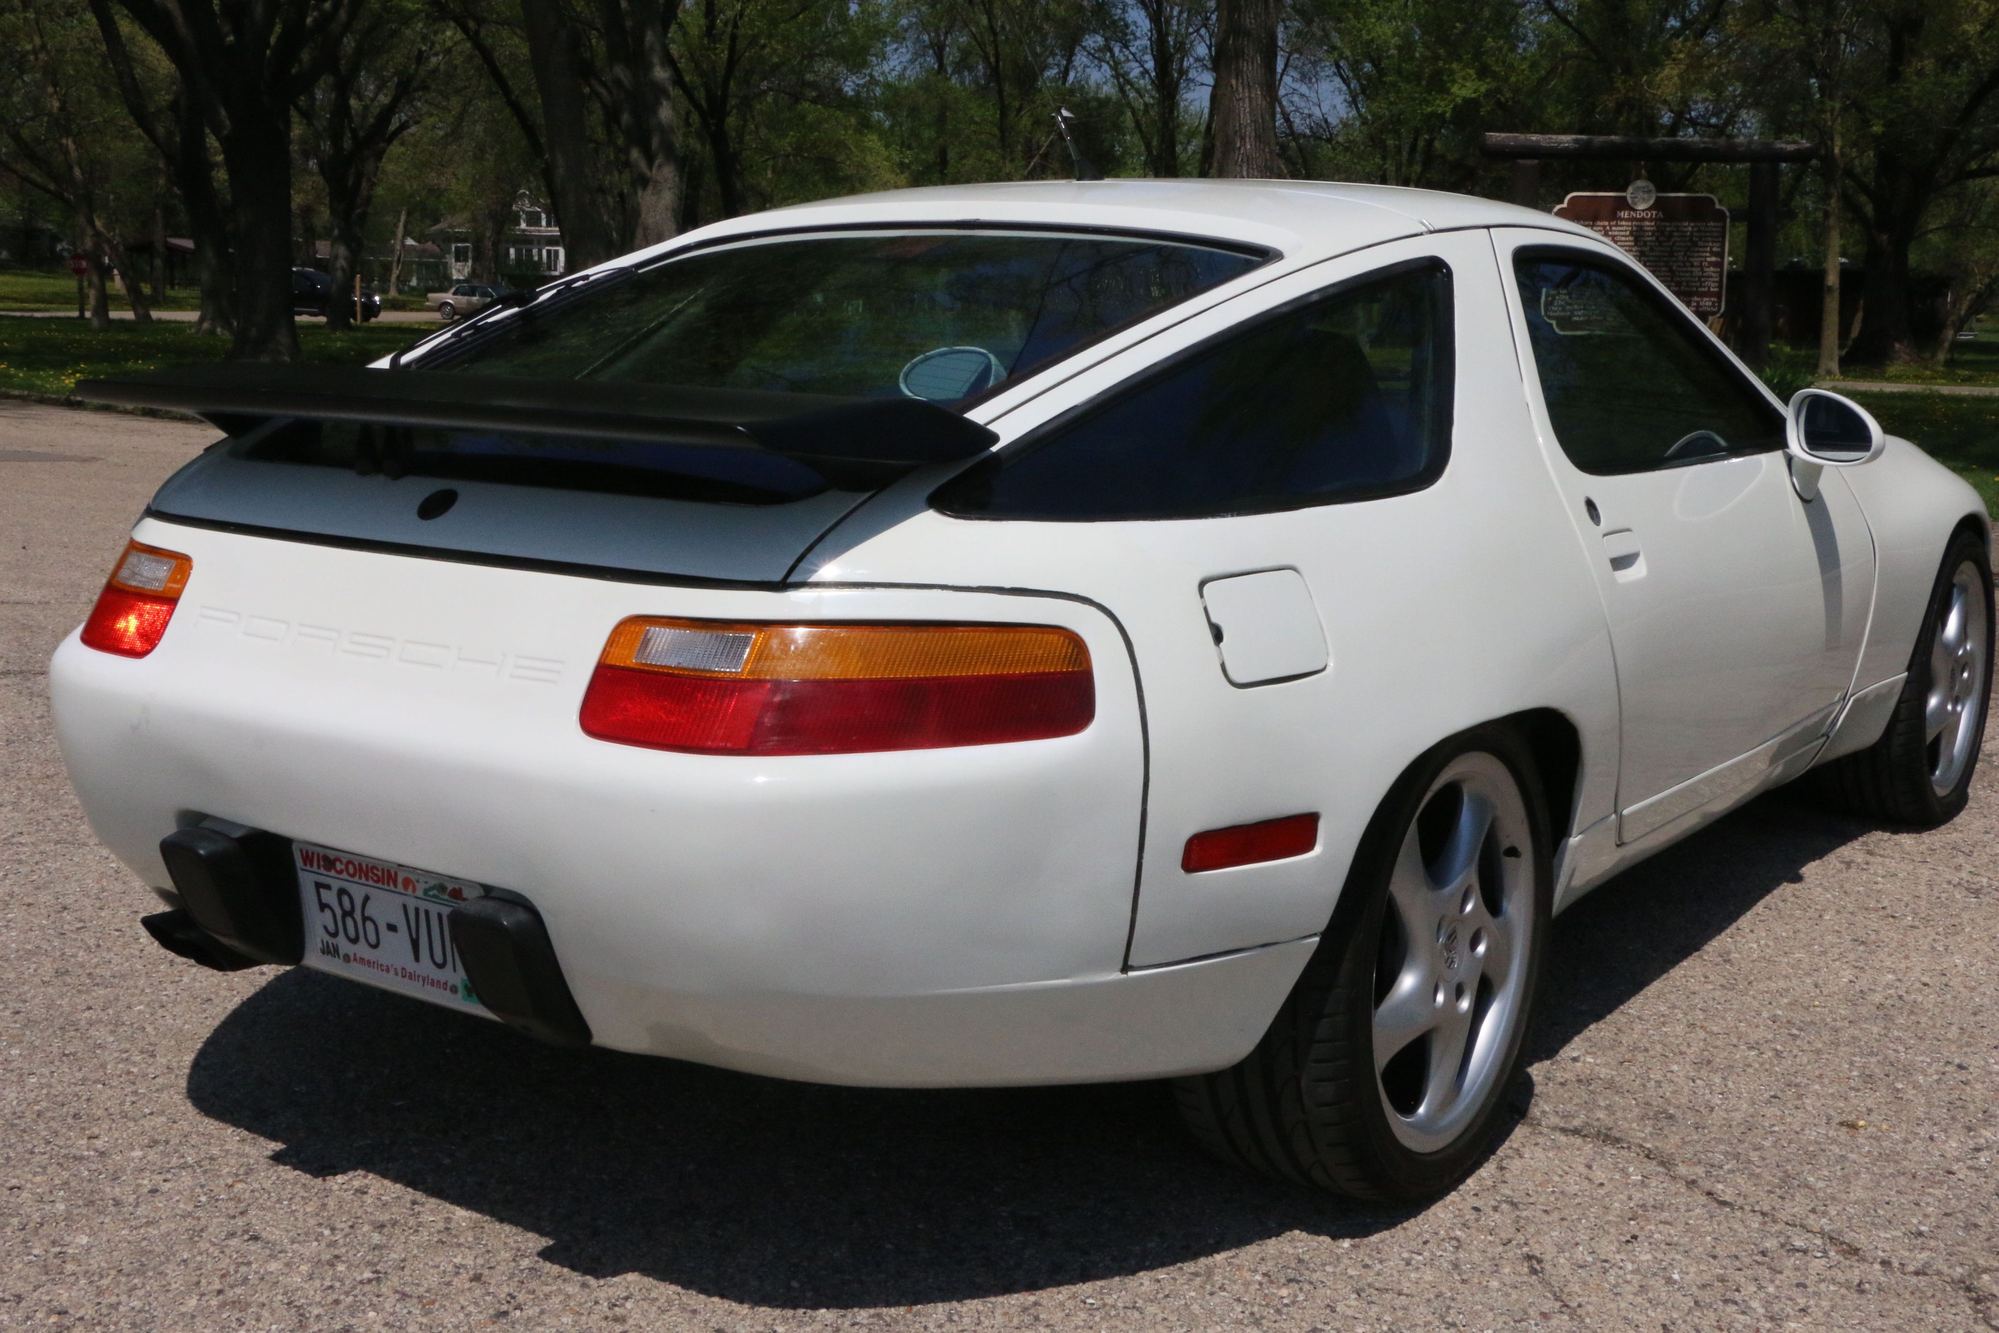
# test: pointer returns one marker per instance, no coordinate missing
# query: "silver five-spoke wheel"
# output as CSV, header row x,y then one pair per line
x,y
1383,1073
1952,711
1452,976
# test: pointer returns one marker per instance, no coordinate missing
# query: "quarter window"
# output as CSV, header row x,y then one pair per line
x,y
1341,397
1629,385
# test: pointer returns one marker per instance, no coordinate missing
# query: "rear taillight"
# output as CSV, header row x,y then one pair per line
x,y
718,687
133,610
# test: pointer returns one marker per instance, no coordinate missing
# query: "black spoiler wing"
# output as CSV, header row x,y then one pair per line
x,y
854,443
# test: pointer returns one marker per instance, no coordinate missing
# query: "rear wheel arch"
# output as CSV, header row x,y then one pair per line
x,y
1978,525
1295,1105
1549,743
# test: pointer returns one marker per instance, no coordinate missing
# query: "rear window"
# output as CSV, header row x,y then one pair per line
x,y
946,316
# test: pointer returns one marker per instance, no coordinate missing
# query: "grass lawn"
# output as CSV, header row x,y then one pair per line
x,y
55,289
1973,360
48,356
1961,433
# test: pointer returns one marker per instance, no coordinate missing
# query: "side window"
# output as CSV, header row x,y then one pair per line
x,y
1341,397
1630,387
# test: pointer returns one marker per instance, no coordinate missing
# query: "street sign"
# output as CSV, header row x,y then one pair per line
x,y
1681,238
79,265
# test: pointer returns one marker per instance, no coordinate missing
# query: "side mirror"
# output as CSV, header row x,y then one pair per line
x,y
1825,430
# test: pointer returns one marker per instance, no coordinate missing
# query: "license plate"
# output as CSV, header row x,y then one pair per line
x,y
383,923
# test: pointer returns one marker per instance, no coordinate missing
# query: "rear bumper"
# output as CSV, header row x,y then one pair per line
x,y
923,918
1185,1018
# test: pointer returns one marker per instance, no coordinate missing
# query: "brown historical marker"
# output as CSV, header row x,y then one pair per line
x,y
1681,238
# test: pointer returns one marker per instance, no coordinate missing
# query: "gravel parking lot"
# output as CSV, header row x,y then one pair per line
x,y
1765,1093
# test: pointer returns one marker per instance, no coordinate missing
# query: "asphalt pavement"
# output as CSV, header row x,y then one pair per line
x,y
1764,1094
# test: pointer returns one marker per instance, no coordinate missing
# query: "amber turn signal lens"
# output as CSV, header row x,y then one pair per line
x,y
727,687
132,612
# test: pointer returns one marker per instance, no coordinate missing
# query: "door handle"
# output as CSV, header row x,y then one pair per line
x,y
1626,556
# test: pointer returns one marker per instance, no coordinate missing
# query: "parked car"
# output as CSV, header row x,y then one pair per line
x,y
312,293
1022,634
464,298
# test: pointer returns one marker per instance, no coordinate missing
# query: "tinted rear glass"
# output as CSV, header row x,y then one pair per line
x,y
946,316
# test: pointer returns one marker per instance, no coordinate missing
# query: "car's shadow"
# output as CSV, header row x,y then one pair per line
x,y
787,1195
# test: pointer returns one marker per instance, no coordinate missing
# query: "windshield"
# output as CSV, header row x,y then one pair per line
x,y
946,316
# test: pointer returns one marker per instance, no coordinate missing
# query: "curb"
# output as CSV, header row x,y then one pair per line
x,y
81,405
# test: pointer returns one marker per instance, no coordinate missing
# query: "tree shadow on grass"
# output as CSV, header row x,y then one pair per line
x,y
788,1195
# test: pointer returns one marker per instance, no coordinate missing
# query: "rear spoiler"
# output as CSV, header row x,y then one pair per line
x,y
854,443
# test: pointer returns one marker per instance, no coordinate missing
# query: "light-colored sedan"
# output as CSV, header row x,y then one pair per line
x,y
462,299
1022,634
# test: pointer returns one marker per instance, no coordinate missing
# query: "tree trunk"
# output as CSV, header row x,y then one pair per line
x,y
159,274
488,244
207,225
1829,322
1887,325
257,154
396,256
658,205
343,255
1969,299
1166,73
558,76
214,278
97,306
728,165
1243,107
652,133
128,278
350,194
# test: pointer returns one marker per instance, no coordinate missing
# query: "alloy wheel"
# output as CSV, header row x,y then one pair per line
x,y
1452,973
1954,709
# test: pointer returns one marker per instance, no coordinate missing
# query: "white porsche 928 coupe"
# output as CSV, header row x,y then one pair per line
x,y
1021,634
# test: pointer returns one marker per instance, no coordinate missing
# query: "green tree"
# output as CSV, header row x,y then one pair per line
x,y
369,99
1399,91
243,65
1149,51
168,116
59,137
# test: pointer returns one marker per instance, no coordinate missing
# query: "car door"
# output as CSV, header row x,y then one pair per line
x,y
1737,609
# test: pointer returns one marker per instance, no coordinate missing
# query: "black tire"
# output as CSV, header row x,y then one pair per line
x,y
1890,780
446,312
1306,1105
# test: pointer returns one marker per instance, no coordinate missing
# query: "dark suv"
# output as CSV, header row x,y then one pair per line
x,y
313,290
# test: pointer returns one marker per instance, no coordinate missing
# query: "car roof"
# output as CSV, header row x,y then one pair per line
x,y
1304,220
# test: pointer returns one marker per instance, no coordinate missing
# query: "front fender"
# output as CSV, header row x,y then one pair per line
x,y
1912,504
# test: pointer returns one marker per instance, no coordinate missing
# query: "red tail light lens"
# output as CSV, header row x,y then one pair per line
x,y
1248,844
133,610
717,687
